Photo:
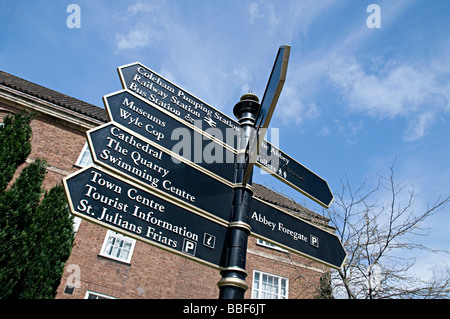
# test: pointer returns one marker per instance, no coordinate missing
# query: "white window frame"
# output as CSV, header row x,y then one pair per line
x,y
258,285
264,243
84,152
102,296
117,236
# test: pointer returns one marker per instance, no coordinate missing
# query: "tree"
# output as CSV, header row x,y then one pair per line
x,y
35,237
374,234
15,145
17,208
52,244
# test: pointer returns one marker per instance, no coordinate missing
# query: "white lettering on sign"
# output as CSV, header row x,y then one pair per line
x,y
155,79
139,111
177,191
116,219
262,219
277,226
175,100
149,128
141,206
294,234
119,143
189,247
314,241
132,194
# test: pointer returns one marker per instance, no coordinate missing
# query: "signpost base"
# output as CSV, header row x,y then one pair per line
x,y
233,285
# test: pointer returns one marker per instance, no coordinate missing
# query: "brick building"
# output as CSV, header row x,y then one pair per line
x,y
110,265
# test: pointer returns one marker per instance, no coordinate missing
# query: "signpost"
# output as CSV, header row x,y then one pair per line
x,y
172,174
107,200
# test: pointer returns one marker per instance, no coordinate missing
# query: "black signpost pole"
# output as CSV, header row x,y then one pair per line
x,y
233,285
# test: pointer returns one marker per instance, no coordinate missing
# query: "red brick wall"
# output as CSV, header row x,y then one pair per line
x,y
152,273
303,274
55,141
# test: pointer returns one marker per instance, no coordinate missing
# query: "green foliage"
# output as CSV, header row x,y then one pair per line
x,y
51,247
15,145
35,237
17,207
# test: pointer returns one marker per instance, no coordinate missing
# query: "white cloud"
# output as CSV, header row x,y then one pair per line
x,y
293,108
141,34
136,38
419,126
349,130
384,90
400,90
141,7
264,12
253,10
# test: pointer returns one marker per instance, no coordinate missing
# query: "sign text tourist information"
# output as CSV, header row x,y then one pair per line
x,y
119,150
106,199
289,232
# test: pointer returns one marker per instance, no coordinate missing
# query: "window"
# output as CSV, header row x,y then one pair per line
x,y
96,295
85,157
267,286
118,247
267,244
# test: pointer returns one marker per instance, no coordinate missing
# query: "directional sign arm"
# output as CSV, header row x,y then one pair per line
x,y
268,103
106,199
294,234
274,87
288,170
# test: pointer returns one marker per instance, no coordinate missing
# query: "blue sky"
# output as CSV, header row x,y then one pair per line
x,y
355,99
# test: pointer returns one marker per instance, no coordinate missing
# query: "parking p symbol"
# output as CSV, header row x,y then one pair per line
x,y
314,241
189,247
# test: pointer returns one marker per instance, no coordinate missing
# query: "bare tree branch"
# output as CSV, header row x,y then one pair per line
x,y
375,231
